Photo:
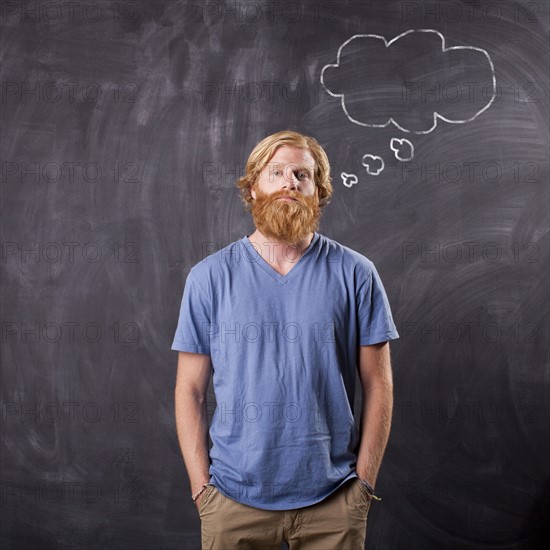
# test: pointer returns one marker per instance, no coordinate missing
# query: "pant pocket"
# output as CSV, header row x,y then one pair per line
x,y
206,497
365,495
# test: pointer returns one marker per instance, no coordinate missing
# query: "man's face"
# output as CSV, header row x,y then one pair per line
x,y
289,173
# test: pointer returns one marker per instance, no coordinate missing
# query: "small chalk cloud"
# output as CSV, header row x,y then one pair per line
x,y
348,179
410,81
402,148
373,163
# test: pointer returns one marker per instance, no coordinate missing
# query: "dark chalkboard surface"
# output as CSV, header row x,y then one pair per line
x,y
124,126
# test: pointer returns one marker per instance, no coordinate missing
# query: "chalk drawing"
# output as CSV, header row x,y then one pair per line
x,y
368,161
436,115
348,179
403,149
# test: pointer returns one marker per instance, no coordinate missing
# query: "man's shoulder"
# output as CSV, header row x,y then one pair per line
x,y
216,261
339,252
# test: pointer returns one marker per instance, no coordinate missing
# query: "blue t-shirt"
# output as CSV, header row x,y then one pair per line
x,y
284,357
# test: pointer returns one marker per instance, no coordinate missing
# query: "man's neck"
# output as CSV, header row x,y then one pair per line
x,y
278,253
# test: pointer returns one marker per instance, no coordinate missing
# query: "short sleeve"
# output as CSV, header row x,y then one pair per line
x,y
193,330
373,311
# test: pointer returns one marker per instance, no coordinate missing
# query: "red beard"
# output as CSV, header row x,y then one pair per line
x,y
288,222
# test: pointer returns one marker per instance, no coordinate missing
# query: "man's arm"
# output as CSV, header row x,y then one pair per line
x,y
194,370
376,378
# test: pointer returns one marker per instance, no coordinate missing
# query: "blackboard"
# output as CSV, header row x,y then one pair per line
x,y
124,126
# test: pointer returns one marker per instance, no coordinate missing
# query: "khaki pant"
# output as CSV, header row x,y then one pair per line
x,y
338,522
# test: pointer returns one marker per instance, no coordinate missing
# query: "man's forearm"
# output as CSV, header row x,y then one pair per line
x,y
192,429
376,414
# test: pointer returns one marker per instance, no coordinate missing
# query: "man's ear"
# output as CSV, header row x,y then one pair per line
x,y
253,191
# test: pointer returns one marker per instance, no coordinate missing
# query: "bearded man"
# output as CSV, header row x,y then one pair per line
x,y
284,319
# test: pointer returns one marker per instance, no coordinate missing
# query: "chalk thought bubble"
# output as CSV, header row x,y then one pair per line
x,y
373,164
403,149
348,179
411,81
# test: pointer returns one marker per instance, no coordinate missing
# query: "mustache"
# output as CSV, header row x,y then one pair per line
x,y
270,198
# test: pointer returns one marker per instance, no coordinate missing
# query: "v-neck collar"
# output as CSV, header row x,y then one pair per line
x,y
281,279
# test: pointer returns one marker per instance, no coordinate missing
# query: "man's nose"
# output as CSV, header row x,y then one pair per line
x,y
291,178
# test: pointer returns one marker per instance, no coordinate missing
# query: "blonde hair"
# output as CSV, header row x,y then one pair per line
x,y
265,149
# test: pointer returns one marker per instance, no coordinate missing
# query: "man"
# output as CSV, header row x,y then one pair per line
x,y
283,319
